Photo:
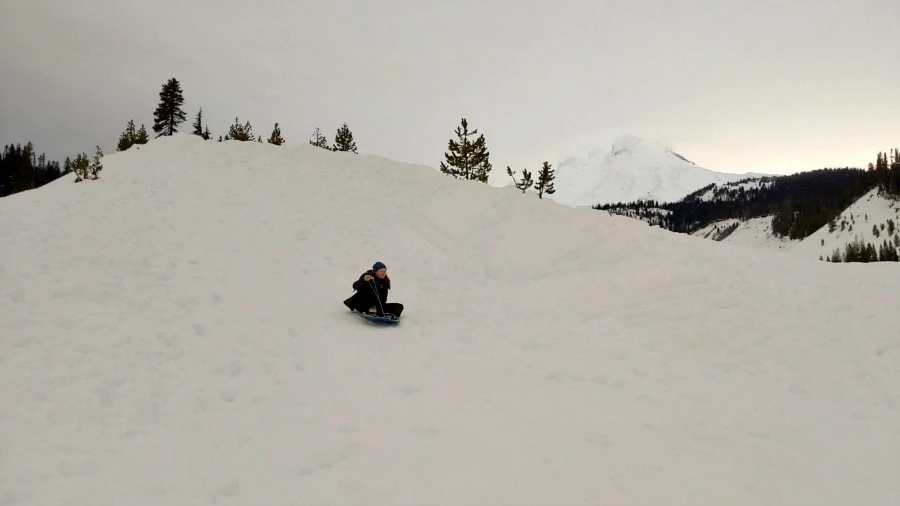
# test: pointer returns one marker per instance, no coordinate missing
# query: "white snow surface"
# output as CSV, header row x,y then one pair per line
x,y
630,168
173,334
753,233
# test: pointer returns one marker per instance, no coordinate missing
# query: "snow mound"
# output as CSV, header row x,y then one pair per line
x,y
173,334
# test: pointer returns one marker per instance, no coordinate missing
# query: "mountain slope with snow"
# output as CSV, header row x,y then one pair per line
x,y
873,219
173,334
630,168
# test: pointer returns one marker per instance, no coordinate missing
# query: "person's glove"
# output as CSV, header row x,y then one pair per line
x,y
367,278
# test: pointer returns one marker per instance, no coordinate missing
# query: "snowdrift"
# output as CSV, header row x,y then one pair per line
x,y
173,334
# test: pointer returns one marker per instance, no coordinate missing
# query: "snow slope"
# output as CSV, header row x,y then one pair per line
x,y
855,223
753,233
627,168
173,334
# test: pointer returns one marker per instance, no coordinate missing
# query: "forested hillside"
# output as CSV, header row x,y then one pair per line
x,y
798,204
21,169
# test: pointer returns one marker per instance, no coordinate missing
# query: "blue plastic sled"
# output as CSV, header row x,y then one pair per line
x,y
381,319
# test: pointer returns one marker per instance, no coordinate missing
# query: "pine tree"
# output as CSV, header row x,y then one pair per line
x,y
240,132
81,166
343,140
95,166
467,159
142,137
128,137
169,114
319,140
276,138
522,184
198,123
546,176
198,126
894,174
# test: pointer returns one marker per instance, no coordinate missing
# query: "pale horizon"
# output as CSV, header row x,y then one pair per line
x,y
732,86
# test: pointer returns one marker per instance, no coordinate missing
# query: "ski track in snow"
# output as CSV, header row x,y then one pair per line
x,y
174,334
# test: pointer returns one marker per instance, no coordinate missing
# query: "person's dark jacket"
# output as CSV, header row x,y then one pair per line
x,y
365,296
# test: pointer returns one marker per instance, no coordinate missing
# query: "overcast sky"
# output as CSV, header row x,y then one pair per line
x,y
752,85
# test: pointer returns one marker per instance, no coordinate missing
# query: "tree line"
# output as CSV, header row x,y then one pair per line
x,y
467,157
22,169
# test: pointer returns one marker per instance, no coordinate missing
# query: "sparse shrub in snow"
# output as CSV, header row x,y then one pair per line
x,y
343,140
239,132
131,136
275,137
81,167
96,166
318,139
522,184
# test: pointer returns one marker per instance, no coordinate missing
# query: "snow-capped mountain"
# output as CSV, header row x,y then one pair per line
x,y
626,167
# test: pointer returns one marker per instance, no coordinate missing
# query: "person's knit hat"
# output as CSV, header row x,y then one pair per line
x,y
378,265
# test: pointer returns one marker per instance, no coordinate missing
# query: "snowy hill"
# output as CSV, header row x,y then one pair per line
x,y
173,334
873,219
627,168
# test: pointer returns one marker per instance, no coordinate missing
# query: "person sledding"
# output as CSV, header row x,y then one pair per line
x,y
371,293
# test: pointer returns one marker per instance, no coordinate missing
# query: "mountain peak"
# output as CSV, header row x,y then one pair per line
x,y
631,144
622,166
